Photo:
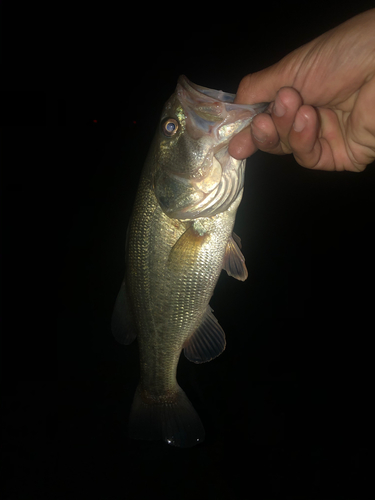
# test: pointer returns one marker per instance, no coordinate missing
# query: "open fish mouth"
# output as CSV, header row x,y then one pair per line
x,y
205,180
213,112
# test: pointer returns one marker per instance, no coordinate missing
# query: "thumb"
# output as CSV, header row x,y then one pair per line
x,y
262,86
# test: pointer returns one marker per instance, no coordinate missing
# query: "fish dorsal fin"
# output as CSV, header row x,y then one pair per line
x,y
208,340
122,324
234,261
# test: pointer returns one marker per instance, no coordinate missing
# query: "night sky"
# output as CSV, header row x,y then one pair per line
x,y
286,407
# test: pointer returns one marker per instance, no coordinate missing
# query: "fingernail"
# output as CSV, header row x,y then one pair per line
x,y
278,108
299,123
258,133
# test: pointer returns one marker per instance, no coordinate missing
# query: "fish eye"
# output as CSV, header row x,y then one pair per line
x,y
170,127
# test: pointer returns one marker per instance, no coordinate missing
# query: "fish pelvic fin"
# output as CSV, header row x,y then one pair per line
x,y
122,323
234,261
208,340
171,418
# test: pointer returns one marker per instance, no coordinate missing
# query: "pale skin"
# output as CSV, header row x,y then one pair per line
x,y
322,101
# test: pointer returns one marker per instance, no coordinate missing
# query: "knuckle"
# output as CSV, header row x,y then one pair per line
x,y
245,88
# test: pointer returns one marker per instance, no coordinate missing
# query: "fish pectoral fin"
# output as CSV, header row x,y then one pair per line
x,y
122,324
234,261
184,252
208,340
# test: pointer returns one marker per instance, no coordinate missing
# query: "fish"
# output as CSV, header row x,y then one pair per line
x,y
180,237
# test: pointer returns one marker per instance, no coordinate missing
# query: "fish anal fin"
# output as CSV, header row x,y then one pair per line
x,y
208,340
122,324
234,261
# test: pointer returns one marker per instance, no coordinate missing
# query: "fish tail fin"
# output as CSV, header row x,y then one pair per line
x,y
174,420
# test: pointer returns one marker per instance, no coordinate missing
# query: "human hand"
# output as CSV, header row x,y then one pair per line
x,y
322,101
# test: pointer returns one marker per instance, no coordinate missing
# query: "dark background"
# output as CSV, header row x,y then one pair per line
x,y
287,406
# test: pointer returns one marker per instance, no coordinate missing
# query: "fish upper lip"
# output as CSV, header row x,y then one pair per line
x,y
215,95
218,96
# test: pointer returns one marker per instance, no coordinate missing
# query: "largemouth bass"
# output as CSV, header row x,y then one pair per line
x,y
179,239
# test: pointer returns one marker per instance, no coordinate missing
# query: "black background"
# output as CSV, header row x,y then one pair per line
x,y
287,406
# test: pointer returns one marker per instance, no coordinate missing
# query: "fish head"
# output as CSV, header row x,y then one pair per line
x,y
194,175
